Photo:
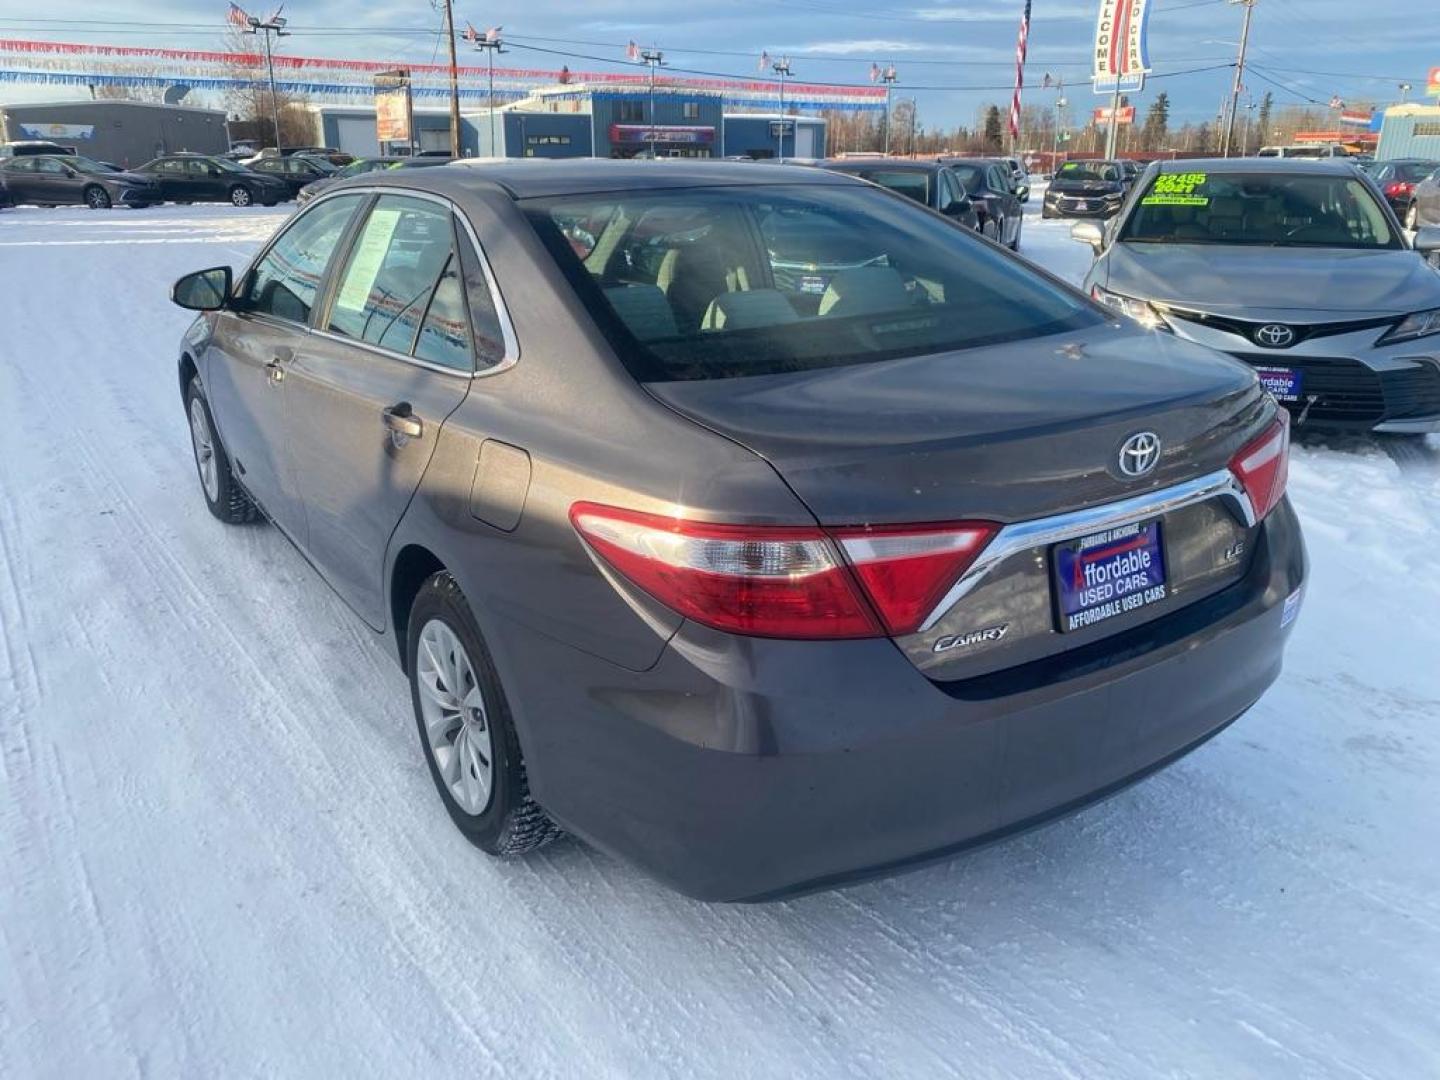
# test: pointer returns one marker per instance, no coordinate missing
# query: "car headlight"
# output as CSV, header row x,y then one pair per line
x,y
1142,311
1421,324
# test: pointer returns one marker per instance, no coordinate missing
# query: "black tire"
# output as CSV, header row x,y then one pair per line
x,y
240,196
1019,227
97,198
229,501
511,823
1046,212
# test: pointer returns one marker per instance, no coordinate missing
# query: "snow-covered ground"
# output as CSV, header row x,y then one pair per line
x,y
221,855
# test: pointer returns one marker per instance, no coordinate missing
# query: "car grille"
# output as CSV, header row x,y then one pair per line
x,y
1303,331
1347,392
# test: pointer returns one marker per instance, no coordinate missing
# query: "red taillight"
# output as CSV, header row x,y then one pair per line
x,y
783,582
907,569
1399,188
1263,466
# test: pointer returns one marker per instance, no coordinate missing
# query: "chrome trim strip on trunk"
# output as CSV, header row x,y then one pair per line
x,y
1024,535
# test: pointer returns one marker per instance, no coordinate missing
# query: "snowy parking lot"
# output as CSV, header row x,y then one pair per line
x,y
221,853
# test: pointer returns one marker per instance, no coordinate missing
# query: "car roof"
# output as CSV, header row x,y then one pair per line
x,y
888,164
524,178
1325,166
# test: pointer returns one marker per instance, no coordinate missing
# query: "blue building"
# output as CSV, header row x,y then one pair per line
x,y
1410,131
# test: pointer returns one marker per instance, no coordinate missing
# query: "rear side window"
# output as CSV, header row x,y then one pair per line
x,y
402,275
751,280
484,316
284,282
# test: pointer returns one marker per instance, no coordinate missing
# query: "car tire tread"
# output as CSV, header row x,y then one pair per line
x,y
232,503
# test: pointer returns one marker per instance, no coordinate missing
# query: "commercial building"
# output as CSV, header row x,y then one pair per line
x,y
125,133
1410,131
592,121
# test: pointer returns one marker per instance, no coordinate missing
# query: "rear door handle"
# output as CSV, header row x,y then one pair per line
x,y
401,420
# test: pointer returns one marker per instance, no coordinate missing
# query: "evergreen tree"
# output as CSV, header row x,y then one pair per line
x,y
1157,123
1267,106
994,133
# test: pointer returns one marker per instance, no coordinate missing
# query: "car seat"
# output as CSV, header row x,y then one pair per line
x,y
865,290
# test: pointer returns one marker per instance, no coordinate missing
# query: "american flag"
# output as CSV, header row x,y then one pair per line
x,y
493,34
471,34
237,17
1022,44
632,51
875,73
764,61
1337,102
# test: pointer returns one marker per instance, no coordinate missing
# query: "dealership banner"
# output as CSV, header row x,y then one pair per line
x,y
644,133
1122,47
1123,115
73,132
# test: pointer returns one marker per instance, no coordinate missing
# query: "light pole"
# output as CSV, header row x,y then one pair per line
x,y
1239,84
273,25
782,68
491,43
1405,89
655,58
1060,104
888,77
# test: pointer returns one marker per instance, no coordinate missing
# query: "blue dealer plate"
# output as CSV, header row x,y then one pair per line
x,y
1108,574
1283,382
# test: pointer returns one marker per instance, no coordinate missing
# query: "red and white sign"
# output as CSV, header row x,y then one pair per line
x,y
1122,51
1432,84
1355,117
1124,115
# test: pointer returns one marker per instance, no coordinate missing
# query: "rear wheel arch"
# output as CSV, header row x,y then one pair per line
x,y
414,565
188,372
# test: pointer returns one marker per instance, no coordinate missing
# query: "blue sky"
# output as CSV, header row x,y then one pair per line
x,y
953,57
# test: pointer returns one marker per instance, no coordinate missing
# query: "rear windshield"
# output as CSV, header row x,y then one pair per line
x,y
911,183
1089,172
1413,172
1268,209
750,280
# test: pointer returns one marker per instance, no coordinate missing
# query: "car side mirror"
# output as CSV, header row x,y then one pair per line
x,y
957,207
1087,232
1427,240
70,172
204,290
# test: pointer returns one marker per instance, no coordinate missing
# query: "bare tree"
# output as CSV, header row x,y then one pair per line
x,y
249,100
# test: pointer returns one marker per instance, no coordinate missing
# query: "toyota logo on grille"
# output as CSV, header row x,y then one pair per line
x,y
1274,336
1140,453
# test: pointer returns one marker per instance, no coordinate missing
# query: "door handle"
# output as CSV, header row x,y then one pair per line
x,y
275,369
401,420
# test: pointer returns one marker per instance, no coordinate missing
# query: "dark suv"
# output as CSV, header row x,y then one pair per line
x,y
759,582
187,178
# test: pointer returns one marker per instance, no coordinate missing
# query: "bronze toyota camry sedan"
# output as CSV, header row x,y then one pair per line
x,y
760,526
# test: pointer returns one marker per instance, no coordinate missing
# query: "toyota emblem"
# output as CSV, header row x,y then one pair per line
x,y
1140,453
1274,336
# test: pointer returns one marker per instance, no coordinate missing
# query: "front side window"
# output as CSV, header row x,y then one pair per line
x,y
285,281
1263,209
752,280
908,182
401,265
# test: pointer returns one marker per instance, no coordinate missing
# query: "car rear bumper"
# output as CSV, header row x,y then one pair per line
x,y
746,769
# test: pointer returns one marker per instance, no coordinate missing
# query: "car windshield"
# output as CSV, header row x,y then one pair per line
x,y
1089,172
910,183
754,280
1268,209
364,165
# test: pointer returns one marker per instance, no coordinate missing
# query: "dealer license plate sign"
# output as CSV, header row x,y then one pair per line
x,y
1283,382
1109,574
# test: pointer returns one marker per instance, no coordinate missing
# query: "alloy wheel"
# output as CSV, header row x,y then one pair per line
x,y
452,707
204,442
240,196
96,199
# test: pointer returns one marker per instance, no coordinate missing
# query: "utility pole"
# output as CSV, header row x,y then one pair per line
x,y
454,82
491,43
273,25
888,77
1229,138
655,58
782,68
1060,104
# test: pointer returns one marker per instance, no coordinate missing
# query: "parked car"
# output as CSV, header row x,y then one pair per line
x,y
1425,206
1296,268
988,183
1131,171
360,166
338,158
1086,189
24,147
703,589
295,171
1019,177
1309,150
188,178
66,179
1397,180
928,183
